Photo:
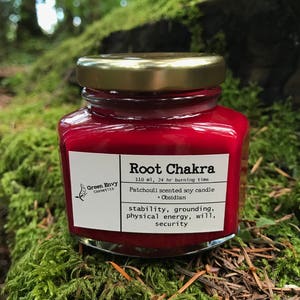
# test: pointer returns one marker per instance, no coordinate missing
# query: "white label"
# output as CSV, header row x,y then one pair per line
x,y
149,193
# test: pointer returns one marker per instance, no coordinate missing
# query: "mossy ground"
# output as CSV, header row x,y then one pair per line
x,y
47,263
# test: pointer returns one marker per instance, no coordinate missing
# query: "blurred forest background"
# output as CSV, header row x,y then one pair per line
x,y
259,39
28,27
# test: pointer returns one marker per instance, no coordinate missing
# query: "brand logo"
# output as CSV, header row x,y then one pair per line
x,y
104,187
82,192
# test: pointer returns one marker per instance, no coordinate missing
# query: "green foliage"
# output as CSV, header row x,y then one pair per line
x,y
275,139
281,137
217,44
244,99
48,265
45,261
287,266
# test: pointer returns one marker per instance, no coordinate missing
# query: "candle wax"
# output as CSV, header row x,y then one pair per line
x,y
216,131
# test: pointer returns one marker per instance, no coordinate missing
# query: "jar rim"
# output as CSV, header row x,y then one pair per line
x,y
154,71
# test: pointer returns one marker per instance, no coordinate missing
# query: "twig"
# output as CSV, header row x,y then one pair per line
x,y
268,240
264,255
289,290
138,278
188,283
278,193
261,130
136,270
285,218
257,250
256,165
252,268
281,172
269,284
295,226
120,270
201,279
231,253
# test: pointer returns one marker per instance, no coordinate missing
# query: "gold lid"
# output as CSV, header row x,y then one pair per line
x,y
151,71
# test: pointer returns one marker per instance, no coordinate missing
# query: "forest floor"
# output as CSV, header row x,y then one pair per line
x,y
5,72
241,269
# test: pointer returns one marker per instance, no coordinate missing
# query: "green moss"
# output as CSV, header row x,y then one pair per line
x,y
31,181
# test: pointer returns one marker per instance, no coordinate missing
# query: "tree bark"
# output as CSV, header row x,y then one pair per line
x,y
28,25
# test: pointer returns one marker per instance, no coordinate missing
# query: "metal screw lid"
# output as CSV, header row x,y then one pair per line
x,y
151,71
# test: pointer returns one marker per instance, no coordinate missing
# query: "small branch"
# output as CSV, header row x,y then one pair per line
x,y
120,270
252,268
256,165
188,283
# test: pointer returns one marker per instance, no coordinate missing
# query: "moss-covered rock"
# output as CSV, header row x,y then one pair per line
x,y
47,262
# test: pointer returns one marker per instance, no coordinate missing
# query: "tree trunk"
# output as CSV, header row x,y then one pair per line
x,y
28,24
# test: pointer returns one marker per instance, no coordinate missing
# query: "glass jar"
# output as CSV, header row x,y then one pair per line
x,y
153,166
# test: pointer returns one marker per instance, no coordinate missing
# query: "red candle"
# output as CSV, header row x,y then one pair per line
x,y
153,166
